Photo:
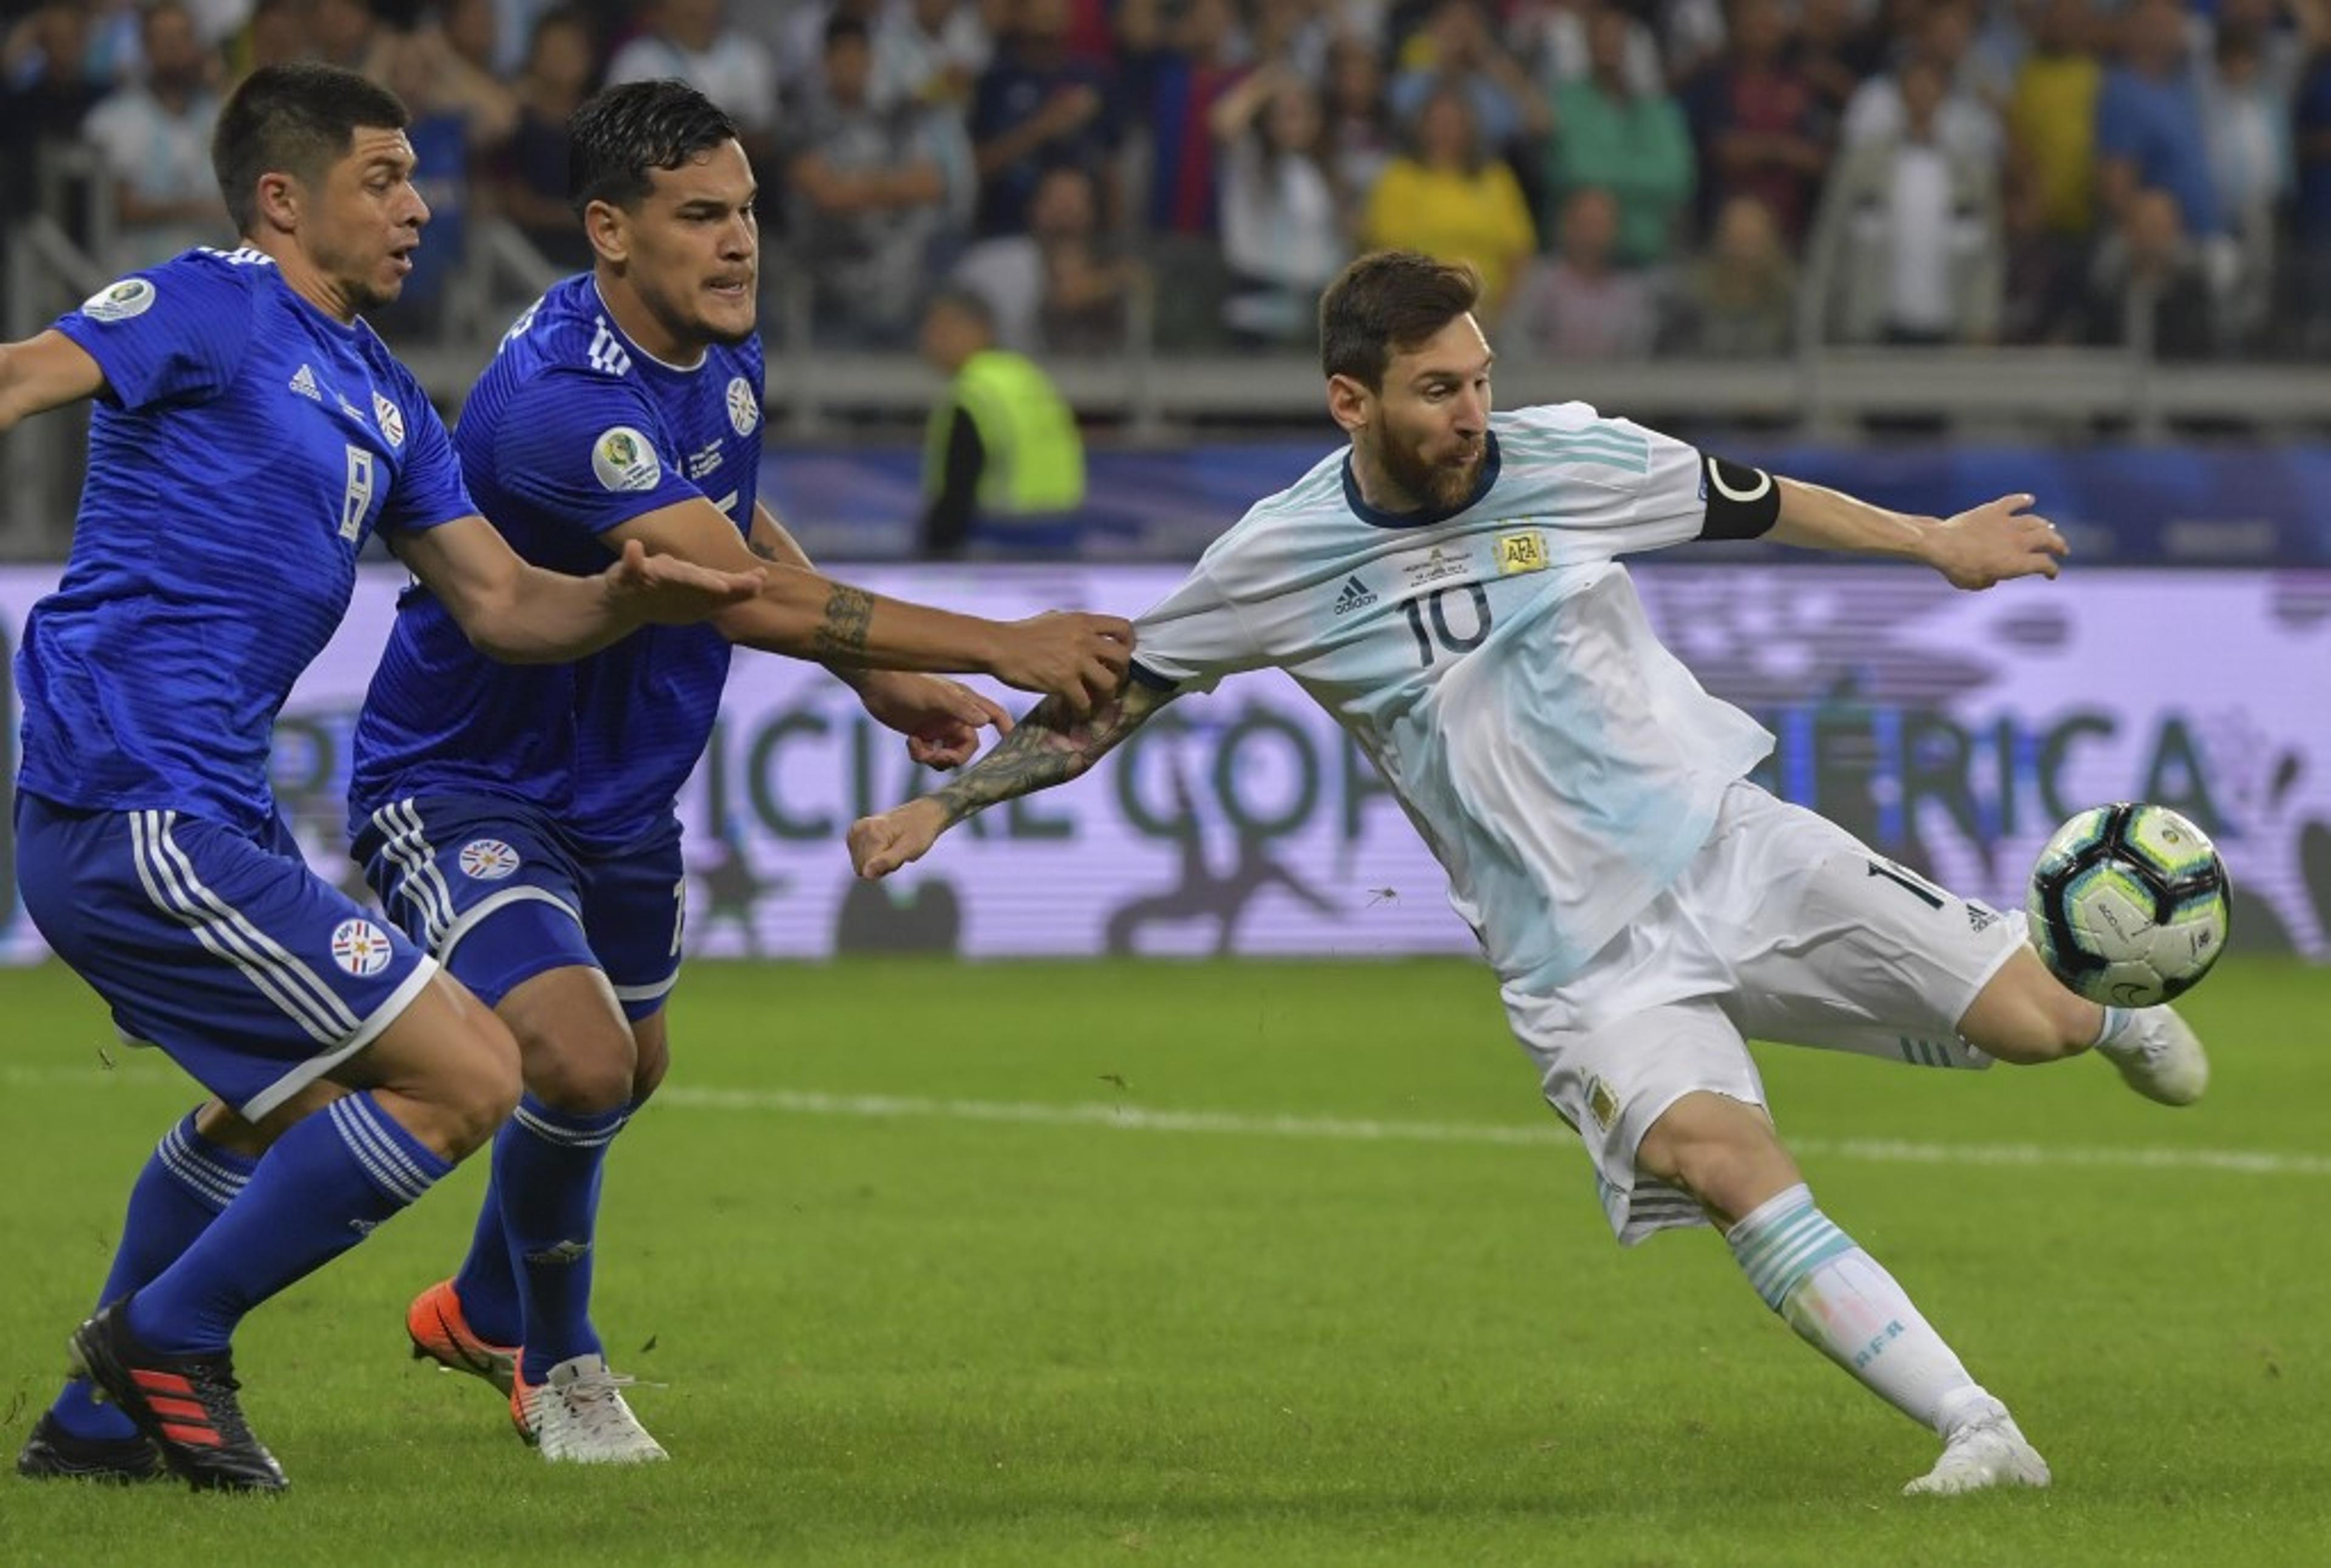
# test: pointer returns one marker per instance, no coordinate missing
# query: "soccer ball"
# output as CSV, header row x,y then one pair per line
x,y
2129,904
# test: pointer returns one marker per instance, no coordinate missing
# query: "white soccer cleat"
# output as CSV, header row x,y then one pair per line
x,y
578,1417
2160,1057
1990,1452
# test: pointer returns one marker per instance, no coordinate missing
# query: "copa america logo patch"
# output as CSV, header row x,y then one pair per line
x,y
391,419
488,860
624,460
744,408
361,948
130,296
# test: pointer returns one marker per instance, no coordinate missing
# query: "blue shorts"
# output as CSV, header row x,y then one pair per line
x,y
500,894
220,947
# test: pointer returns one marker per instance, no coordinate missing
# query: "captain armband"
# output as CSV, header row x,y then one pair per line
x,y
1743,503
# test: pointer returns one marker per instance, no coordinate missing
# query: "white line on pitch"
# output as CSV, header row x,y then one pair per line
x,y
1331,1129
1133,1118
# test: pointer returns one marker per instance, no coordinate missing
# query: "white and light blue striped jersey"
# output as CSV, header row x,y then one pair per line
x,y
244,448
1496,664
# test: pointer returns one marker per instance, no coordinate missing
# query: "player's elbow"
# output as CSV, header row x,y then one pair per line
x,y
493,619
504,648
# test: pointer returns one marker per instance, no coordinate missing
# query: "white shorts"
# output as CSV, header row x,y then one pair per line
x,y
1783,927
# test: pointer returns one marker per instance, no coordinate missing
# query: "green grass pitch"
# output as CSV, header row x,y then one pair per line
x,y
917,1284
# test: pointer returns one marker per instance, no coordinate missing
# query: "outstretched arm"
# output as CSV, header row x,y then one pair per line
x,y
42,372
1050,747
1974,549
522,614
804,616
940,719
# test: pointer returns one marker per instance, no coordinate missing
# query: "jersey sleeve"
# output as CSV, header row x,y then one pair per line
x,y
430,490
1688,494
1672,501
1193,637
585,448
173,333
1620,487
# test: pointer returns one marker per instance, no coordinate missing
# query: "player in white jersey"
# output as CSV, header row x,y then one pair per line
x,y
1449,587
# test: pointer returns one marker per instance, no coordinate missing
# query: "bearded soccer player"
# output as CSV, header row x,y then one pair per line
x,y
1645,907
249,435
520,824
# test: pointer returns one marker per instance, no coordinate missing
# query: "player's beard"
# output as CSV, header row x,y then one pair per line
x,y
365,297
688,320
365,279
1436,485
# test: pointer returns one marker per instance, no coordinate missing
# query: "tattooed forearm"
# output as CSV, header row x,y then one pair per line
x,y
1049,747
848,615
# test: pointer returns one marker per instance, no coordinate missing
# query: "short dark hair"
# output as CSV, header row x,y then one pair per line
x,y
152,9
964,300
1385,302
843,28
298,118
622,133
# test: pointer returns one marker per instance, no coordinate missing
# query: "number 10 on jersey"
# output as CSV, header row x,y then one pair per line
x,y
1422,607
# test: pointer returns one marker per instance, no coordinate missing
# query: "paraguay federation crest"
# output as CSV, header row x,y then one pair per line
x,y
361,948
390,418
488,860
743,407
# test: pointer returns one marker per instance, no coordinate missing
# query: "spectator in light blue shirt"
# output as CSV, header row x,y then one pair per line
x,y
2149,134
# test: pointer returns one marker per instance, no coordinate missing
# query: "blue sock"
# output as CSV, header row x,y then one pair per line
x,y
318,1192
487,1284
546,1165
186,1184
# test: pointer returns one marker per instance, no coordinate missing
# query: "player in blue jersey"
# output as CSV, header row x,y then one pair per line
x,y
249,435
1448,586
524,831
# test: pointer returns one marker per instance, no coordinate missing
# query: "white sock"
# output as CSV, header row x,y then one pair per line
x,y
1840,1301
2115,1023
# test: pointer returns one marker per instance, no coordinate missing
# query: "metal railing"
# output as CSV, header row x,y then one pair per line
x,y
1152,396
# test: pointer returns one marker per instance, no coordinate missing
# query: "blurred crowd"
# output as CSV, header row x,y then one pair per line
x,y
1632,178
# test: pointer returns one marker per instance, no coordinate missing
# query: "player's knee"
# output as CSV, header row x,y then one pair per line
x,y
584,1070
475,1093
576,1043
2025,1015
1721,1151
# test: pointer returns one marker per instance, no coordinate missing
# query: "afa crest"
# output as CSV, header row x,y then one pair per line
x,y
1521,552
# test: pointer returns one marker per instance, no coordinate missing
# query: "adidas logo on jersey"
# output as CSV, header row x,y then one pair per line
x,y
303,382
606,354
1354,596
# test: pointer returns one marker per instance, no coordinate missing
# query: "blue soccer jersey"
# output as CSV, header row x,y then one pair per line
x,y
572,431
244,446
